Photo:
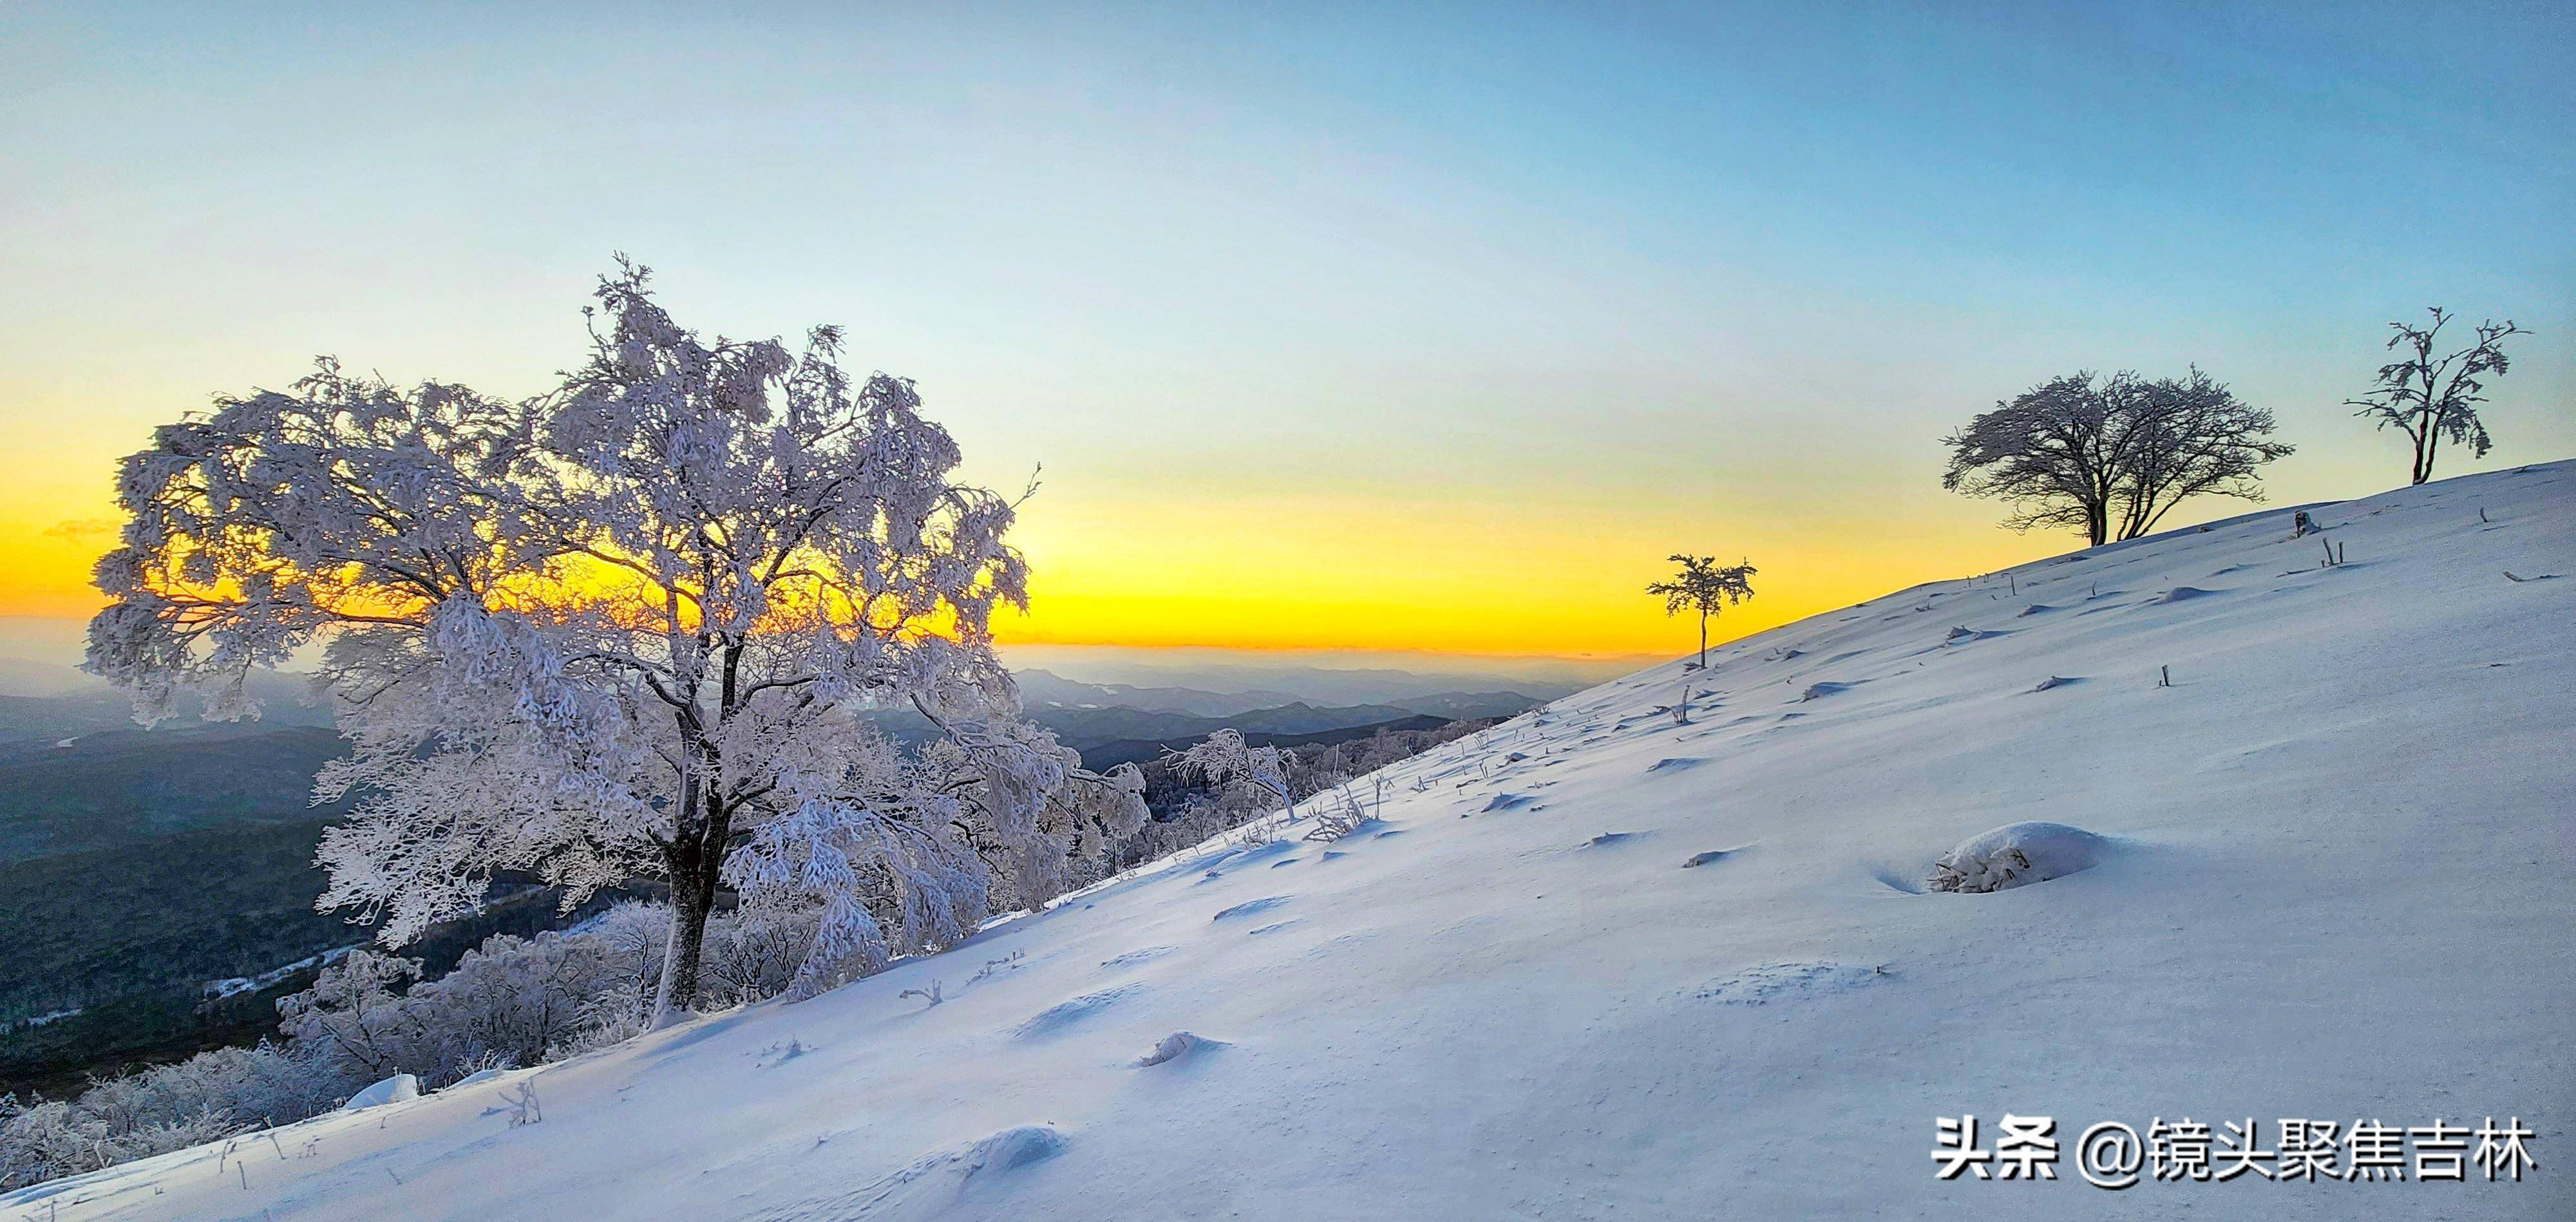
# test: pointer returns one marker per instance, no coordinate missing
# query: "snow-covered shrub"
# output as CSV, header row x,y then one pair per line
x,y
1338,816
2014,855
1256,834
368,1018
169,1107
1225,761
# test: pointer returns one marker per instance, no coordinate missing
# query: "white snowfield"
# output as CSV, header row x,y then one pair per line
x,y
2334,883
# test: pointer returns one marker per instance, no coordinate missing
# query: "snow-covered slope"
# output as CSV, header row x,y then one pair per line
x,y
2337,886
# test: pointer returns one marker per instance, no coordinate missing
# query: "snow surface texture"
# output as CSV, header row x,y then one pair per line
x,y
2341,889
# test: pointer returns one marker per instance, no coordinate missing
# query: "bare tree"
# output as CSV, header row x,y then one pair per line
x,y
2111,456
2430,398
1706,587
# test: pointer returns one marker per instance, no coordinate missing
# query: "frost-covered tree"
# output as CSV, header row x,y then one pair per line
x,y
2110,456
2193,437
2432,398
1705,587
627,627
1223,759
2054,452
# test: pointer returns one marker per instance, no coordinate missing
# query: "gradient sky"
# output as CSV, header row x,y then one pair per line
x,y
1416,327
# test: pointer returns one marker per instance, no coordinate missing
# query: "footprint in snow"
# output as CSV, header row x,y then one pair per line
x,y
1134,957
1065,1014
1787,982
934,1184
1248,907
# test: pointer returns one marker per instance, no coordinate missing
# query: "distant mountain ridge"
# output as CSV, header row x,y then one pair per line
x,y
1137,751
1043,690
47,703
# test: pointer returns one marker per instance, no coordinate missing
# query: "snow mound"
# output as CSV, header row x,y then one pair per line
x,y
2180,594
2034,609
1178,1046
2015,855
1700,859
1815,690
1064,1014
1507,801
1785,982
2055,681
395,1089
1672,763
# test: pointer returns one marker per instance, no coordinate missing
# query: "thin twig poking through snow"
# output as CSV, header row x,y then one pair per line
x,y
929,995
992,966
522,1106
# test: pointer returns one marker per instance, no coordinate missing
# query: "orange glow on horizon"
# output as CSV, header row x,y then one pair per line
x,y
1571,595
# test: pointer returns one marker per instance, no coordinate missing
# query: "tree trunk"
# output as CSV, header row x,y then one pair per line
x,y
1703,640
694,869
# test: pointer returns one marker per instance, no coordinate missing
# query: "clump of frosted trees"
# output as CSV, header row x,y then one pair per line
x,y
513,1002
1193,804
628,627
